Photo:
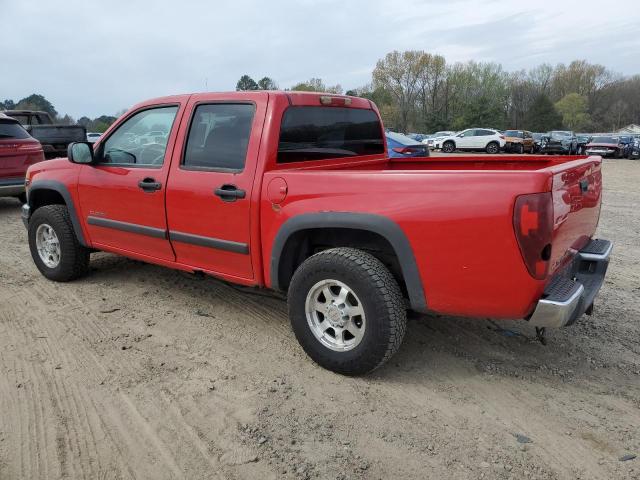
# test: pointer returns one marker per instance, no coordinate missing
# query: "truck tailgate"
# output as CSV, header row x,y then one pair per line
x,y
577,194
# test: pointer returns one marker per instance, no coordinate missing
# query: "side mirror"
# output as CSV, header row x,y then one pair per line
x,y
80,152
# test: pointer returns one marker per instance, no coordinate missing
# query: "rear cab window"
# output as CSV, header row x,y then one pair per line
x,y
310,133
11,129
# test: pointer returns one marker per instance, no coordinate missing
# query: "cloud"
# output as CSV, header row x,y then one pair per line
x,y
93,58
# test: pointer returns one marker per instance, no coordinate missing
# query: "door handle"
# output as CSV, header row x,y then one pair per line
x,y
229,193
149,185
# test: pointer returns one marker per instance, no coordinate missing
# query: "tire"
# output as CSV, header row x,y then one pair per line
x,y
520,149
371,288
73,258
448,147
492,148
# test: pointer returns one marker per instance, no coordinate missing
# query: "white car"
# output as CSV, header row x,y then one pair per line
x,y
489,140
436,136
93,137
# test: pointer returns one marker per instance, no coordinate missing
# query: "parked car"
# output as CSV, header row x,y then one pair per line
x,y
626,143
54,138
582,141
537,141
491,141
294,191
93,136
436,138
518,141
419,137
634,150
607,146
18,150
401,146
559,141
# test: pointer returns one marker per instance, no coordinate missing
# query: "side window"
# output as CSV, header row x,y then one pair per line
x,y
219,136
470,133
141,139
485,133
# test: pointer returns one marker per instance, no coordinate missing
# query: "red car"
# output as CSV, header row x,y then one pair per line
x,y
295,192
18,150
606,147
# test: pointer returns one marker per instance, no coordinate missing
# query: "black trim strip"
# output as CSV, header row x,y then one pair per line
x,y
127,227
12,182
228,245
383,226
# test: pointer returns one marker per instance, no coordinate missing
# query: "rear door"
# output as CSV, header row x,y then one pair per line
x,y
122,195
211,181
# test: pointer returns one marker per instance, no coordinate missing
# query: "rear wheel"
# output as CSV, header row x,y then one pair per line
x,y
493,148
54,247
346,310
520,149
448,147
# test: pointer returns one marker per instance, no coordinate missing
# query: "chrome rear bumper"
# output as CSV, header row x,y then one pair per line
x,y
571,293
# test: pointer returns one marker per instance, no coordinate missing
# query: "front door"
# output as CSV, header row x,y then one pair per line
x,y
122,194
209,192
467,140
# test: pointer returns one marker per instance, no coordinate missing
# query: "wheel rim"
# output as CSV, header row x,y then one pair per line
x,y
335,315
492,148
48,245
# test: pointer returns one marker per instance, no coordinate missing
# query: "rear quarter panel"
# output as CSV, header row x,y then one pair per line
x,y
459,224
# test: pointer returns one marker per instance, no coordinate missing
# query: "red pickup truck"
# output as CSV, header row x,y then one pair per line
x,y
295,192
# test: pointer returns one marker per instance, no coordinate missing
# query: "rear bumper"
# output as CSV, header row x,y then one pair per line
x,y
571,292
11,187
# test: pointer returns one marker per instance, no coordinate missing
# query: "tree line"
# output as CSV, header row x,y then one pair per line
x,y
420,92
40,103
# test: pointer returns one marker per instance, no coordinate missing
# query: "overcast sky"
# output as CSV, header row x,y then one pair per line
x,y
92,58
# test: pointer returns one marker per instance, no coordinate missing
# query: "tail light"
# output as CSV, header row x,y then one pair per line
x,y
533,226
502,137
409,150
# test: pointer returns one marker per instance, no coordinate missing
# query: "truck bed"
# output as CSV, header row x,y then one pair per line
x,y
458,214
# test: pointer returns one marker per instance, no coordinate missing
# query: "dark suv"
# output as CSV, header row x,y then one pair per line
x,y
559,141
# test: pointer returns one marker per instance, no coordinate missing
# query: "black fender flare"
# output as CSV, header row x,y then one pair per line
x,y
60,188
378,224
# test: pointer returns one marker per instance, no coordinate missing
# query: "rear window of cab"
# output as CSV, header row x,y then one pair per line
x,y
12,129
316,133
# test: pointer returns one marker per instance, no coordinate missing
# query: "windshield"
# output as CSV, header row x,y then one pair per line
x,y
316,133
604,140
11,129
514,133
559,135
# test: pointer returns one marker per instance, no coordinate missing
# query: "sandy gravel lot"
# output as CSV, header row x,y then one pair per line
x,y
141,372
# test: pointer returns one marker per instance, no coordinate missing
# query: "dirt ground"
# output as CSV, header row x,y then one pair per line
x,y
137,371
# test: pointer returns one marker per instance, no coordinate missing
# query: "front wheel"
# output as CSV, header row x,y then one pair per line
x,y
493,148
520,149
346,310
54,246
448,147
